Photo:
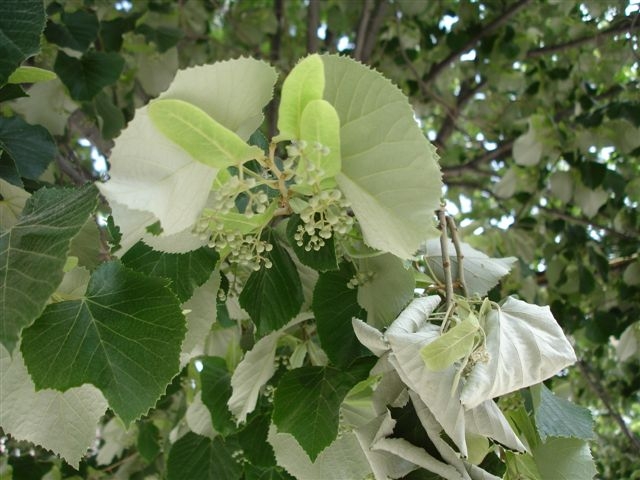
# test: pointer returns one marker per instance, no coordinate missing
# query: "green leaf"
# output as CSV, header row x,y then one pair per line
x,y
51,218
148,441
273,296
21,23
77,31
86,76
320,127
565,458
388,288
252,472
110,118
303,84
321,260
307,404
387,163
12,91
123,337
13,200
216,391
206,140
521,467
253,440
334,306
27,74
29,146
62,422
557,417
451,346
194,456
186,271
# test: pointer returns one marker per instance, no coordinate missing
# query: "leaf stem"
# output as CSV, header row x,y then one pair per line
x,y
459,256
446,264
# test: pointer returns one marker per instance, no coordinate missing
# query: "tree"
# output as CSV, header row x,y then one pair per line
x,y
257,287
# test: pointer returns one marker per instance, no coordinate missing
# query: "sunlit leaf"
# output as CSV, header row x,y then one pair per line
x,y
454,344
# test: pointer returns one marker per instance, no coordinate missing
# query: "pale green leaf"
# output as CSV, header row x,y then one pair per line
x,y
26,74
519,336
564,458
155,70
12,201
51,218
561,185
629,344
320,127
590,200
631,275
64,423
342,459
251,374
390,173
521,467
388,291
115,439
303,84
557,417
202,137
451,346
123,337
481,273
198,418
527,149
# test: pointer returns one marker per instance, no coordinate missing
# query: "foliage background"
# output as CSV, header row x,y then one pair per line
x,y
532,104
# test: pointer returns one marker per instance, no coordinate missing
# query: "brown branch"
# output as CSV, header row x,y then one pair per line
x,y
313,22
362,29
449,124
439,67
597,388
472,165
375,24
588,223
625,25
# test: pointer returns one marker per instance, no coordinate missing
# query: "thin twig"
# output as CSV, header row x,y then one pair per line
x,y
453,229
446,262
599,390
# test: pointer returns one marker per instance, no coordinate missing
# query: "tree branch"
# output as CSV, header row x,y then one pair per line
x,y
374,27
625,25
472,165
588,223
313,22
449,124
598,389
274,55
362,29
489,28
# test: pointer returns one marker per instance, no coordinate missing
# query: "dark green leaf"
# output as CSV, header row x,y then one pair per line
x,y
253,439
252,472
148,440
164,37
196,457
11,91
273,296
86,76
33,253
187,271
321,260
21,23
111,118
123,336
216,391
76,31
557,417
29,146
334,306
307,404
111,31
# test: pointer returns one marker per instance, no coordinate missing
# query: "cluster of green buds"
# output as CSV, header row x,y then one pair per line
x,y
300,164
323,215
359,279
224,197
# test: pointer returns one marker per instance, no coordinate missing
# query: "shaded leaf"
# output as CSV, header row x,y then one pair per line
x,y
557,417
216,391
194,456
29,146
123,337
321,260
86,76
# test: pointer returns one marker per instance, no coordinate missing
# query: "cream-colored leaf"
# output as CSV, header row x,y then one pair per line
x,y
11,205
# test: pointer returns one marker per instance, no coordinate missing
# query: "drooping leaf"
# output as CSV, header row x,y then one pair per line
x,y
186,271
388,288
21,23
123,337
201,136
273,296
342,459
216,391
565,458
307,404
450,346
481,273
30,147
62,422
320,128
26,74
334,306
519,335
201,314
387,163
194,456
87,75
50,219
304,84
557,417
251,374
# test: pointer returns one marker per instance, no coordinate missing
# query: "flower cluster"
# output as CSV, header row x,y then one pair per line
x,y
325,214
300,162
360,278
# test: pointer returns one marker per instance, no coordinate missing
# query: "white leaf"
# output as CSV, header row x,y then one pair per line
x,y
62,422
201,317
629,344
255,369
370,337
11,205
414,317
589,200
343,459
525,345
506,187
388,291
481,273
115,438
561,184
198,417
489,421
527,149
